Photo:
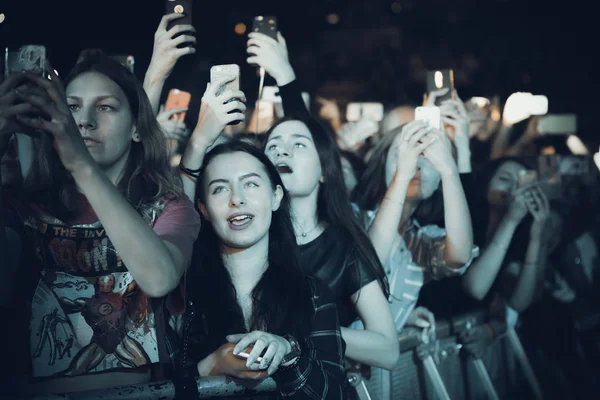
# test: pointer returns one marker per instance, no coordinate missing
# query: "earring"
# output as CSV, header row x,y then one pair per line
x,y
136,137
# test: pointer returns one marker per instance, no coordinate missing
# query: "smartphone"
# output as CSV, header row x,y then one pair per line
x,y
549,175
30,57
127,61
242,355
557,124
430,114
574,165
220,72
181,7
266,25
538,105
441,79
178,99
358,111
527,177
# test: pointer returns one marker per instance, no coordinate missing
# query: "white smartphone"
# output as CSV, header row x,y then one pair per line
x,y
558,124
538,105
431,114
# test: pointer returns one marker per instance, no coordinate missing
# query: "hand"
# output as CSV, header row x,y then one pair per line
x,y
476,340
354,134
10,108
173,128
518,206
454,113
165,52
223,363
430,99
516,108
215,111
440,153
272,55
422,318
59,122
276,348
414,139
539,207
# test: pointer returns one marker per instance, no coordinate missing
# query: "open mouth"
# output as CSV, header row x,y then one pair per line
x,y
284,169
239,221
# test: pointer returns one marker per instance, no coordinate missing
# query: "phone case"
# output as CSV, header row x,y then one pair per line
x,y
27,58
219,72
266,25
440,79
431,114
178,99
180,7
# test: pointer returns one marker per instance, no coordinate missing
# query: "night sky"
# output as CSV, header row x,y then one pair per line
x,y
374,53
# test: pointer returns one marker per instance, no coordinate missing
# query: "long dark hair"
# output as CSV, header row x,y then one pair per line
x,y
281,299
147,176
333,202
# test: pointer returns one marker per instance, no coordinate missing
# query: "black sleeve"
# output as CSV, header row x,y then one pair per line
x,y
358,272
319,373
292,101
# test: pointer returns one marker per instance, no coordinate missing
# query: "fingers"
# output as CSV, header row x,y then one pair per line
x,y
184,51
54,76
231,95
164,21
276,361
184,39
37,124
13,111
11,82
432,97
418,136
216,86
244,341
281,39
39,102
235,339
258,37
259,346
234,106
180,29
171,111
51,88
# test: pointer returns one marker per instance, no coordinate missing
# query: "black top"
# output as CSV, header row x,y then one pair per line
x,y
292,101
337,262
319,373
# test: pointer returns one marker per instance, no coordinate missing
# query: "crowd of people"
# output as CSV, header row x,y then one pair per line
x,y
135,249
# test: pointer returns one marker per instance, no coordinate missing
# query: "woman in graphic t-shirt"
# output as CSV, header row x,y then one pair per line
x,y
110,232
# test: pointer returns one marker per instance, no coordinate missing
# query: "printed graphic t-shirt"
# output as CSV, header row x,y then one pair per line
x,y
88,314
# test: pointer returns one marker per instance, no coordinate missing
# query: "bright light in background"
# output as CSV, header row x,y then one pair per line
x,y
396,7
56,72
333,19
576,146
2,17
597,159
240,28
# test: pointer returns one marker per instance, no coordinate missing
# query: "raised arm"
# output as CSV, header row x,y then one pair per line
x,y
165,55
529,280
272,55
413,140
215,113
157,265
480,277
459,231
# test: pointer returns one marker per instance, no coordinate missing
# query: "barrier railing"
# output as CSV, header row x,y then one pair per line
x,y
426,370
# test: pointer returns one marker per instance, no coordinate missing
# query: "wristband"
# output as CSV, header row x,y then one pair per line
x,y
195,173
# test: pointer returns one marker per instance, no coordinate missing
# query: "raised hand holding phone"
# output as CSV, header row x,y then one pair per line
x,y
166,51
218,109
272,55
414,139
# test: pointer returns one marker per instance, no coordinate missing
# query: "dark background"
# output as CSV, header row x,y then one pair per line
x,y
496,47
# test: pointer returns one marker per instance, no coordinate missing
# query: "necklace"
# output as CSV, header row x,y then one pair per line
x,y
304,234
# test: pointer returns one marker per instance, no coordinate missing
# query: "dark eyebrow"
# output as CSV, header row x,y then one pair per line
x,y
295,135
108,96
241,178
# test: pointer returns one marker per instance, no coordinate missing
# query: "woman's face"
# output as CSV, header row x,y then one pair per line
x,y
239,199
504,183
291,149
104,117
425,181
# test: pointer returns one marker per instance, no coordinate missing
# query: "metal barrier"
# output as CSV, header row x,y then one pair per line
x,y
426,370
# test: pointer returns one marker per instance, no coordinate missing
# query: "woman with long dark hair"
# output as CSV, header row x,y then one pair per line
x,y
333,246
110,230
246,262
